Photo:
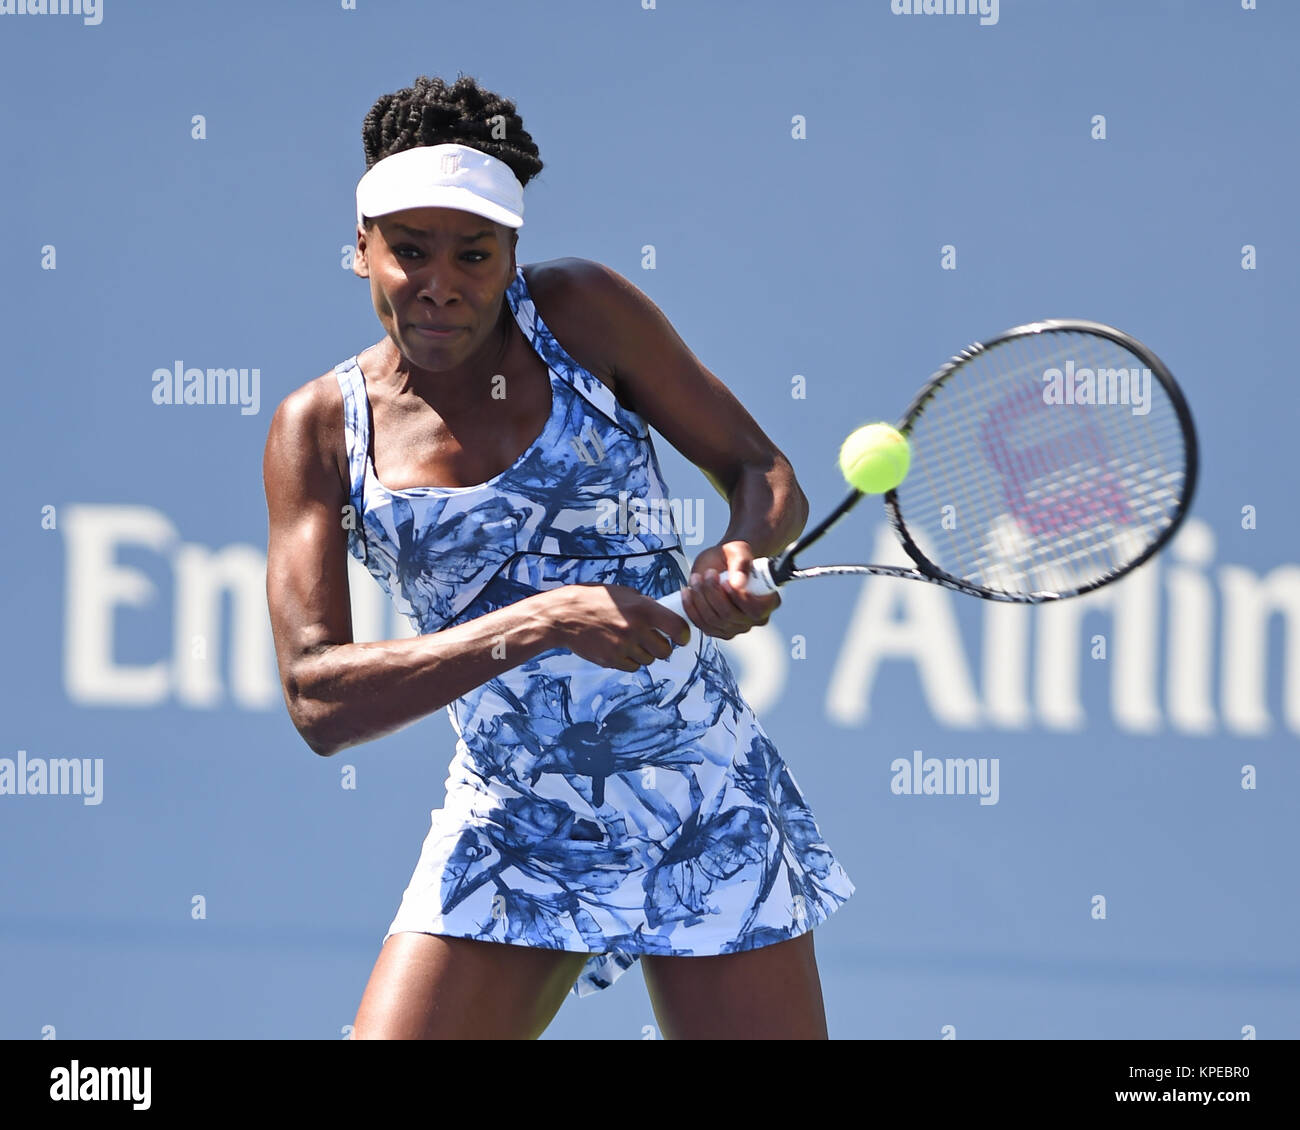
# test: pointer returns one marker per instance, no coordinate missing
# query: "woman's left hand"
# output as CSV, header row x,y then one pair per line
x,y
725,609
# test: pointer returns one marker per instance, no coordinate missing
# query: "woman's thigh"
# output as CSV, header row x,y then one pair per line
x,y
770,993
428,987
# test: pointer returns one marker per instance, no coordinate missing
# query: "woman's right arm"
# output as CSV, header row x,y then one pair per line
x,y
340,693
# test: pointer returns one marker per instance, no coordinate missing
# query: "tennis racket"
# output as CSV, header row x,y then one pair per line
x,y
1045,462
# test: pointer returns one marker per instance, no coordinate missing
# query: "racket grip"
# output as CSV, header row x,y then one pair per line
x,y
760,584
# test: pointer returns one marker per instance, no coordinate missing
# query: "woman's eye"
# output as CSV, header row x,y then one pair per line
x,y
414,252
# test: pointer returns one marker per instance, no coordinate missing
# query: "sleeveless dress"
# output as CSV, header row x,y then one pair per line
x,y
587,809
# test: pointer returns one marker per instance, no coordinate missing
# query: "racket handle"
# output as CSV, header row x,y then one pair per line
x,y
760,584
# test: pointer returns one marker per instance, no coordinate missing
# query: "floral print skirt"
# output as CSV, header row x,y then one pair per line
x,y
619,814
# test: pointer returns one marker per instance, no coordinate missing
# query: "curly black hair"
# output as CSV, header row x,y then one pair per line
x,y
429,112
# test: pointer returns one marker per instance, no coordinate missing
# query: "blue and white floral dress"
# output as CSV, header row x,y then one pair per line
x,y
587,809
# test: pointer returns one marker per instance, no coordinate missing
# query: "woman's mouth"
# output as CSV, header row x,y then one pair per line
x,y
437,333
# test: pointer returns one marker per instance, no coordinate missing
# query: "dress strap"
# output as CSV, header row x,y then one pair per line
x,y
593,390
356,423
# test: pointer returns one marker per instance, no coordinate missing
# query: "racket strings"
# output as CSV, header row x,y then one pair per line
x,y
1049,462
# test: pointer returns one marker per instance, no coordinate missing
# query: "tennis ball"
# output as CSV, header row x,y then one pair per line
x,y
875,458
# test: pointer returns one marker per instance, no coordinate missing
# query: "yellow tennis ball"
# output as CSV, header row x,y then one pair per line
x,y
875,458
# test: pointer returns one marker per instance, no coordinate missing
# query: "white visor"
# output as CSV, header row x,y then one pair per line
x,y
442,176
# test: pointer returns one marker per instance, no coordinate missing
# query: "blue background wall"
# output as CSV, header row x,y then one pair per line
x,y
775,257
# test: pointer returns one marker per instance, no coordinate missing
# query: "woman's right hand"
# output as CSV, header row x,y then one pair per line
x,y
615,626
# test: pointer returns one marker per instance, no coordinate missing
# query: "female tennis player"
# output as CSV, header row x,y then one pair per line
x,y
612,797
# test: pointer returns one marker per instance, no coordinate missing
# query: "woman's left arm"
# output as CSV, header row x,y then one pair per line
x,y
657,376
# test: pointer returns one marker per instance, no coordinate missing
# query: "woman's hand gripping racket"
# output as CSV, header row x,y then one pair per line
x,y
1044,463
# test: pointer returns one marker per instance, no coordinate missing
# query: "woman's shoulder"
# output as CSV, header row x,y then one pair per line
x,y
313,405
564,273
311,422
584,304
570,283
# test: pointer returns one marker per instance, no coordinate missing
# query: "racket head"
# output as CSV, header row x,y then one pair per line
x,y
1025,485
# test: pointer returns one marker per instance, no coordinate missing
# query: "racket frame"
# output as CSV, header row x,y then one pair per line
x,y
783,567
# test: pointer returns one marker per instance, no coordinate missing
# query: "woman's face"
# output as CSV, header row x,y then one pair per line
x,y
437,269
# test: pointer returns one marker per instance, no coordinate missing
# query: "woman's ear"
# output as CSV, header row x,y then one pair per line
x,y
360,265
